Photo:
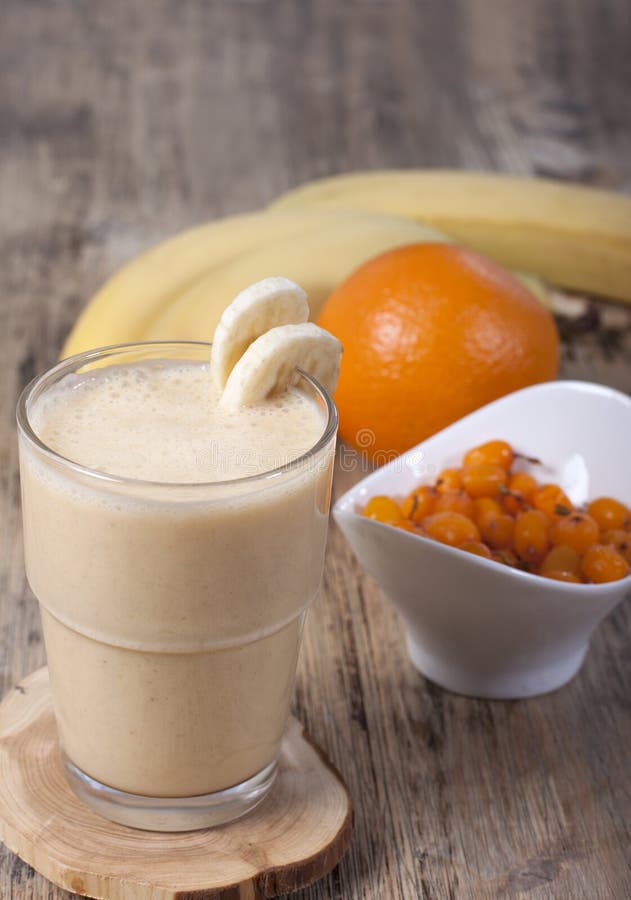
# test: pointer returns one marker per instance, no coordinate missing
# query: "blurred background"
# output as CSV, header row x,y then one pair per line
x,y
123,122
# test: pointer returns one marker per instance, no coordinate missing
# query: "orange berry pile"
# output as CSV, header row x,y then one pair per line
x,y
488,509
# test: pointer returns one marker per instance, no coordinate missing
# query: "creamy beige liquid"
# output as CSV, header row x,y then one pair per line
x,y
172,614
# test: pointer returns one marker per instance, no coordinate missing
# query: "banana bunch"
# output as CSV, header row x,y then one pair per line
x,y
178,289
573,237
319,233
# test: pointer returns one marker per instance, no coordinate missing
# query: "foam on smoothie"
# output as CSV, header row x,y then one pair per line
x,y
162,422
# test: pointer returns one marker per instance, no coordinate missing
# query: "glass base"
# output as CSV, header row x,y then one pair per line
x,y
170,813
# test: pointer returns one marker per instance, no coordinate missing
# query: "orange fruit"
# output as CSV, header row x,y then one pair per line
x,y
430,333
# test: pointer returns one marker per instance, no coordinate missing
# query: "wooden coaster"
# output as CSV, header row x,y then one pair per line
x,y
297,835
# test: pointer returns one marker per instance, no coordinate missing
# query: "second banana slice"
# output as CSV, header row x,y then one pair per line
x,y
269,364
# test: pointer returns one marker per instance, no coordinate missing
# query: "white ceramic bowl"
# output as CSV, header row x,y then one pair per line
x,y
474,626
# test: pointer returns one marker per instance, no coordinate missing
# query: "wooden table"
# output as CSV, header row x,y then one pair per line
x,y
124,122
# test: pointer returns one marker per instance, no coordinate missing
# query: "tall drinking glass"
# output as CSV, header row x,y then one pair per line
x,y
172,612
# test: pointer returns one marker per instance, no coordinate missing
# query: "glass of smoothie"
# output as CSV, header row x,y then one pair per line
x,y
174,548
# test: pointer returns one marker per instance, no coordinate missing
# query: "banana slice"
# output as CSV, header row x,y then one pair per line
x,y
264,305
269,363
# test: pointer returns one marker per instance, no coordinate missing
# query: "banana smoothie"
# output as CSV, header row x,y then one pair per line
x,y
174,542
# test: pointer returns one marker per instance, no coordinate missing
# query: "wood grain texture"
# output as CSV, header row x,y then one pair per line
x,y
123,122
298,834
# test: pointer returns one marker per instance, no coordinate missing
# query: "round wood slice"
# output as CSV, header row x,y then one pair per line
x,y
297,835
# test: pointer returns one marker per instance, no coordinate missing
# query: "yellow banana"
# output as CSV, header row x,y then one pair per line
x,y
572,236
127,305
318,262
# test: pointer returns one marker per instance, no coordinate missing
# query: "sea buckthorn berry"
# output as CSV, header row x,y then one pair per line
x,y
456,501
523,483
477,548
619,539
485,507
560,575
449,480
383,509
530,538
513,503
494,453
602,563
577,530
406,525
609,513
484,480
498,531
419,503
551,500
561,559
506,557
451,528
521,487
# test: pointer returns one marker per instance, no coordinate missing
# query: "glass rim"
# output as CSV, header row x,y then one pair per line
x,y
70,363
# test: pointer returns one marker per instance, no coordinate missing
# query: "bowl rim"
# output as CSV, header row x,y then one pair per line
x,y
345,506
